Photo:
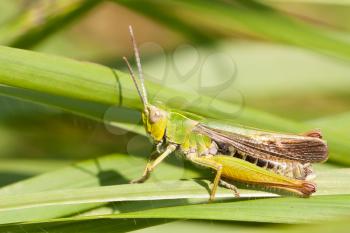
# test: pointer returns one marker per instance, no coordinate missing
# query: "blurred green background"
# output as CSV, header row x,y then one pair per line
x,y
287,58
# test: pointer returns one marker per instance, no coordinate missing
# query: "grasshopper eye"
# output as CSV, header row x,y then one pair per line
x,y
155,116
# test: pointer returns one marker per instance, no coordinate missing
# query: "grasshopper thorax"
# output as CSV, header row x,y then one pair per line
x,y
155,121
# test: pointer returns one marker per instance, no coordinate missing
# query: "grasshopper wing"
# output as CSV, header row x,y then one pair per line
x,y
309,148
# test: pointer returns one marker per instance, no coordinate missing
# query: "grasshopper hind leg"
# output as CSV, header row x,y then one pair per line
x,y
207,162
230,186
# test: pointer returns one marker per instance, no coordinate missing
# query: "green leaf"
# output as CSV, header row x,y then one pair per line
x,y
156,11
108,170
339,123
39,201
251,17
93,226
74,80
30,166
274,210
225,226
110,115
326,2
41,20
163,225
322,82
96,91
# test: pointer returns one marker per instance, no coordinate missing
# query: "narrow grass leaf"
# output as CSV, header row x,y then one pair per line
x,y
254,18
77,80
41,20
274,210
331,182
108,170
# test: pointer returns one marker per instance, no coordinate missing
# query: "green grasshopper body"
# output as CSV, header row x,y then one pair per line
x,y
274,160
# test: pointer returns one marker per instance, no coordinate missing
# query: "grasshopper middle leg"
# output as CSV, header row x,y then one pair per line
x,y
153,163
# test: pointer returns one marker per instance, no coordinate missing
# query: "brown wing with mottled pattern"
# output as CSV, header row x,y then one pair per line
x,y
307,148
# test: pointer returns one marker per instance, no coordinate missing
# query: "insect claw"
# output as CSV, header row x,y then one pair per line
x,y
140,180
137,181
230,186
144,177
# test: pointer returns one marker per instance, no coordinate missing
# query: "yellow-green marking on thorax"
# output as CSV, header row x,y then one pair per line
x,y
180,131
179,127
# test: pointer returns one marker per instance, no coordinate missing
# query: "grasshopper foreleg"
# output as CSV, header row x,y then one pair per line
x,y
207,162
230,186
152,163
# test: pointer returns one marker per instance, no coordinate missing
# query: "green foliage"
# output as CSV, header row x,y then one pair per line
x,y
94,195
40,20
52,79
253,18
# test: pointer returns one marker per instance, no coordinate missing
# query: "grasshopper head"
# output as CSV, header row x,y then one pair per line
x,y
155,121
154,118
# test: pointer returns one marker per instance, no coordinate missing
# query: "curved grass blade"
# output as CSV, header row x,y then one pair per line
x,y
30,166
107,170
315,2
117,117
273,210
253,18
92,226
157,12
113,226
78,81
340,226
41,20
339,123
156,191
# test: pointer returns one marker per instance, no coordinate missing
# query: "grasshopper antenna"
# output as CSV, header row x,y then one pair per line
x,y
132,74
139,67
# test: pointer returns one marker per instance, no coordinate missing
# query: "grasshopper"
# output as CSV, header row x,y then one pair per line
x,y
273,160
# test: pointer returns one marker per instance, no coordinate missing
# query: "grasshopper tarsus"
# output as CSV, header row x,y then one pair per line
x,y
146,174
308,188
140,180
230,186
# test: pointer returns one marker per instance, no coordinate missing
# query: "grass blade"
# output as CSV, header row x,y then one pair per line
x,y
326,2
41,20
92,226
107,170
11,204
272,210
254,18
280,210
74,80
